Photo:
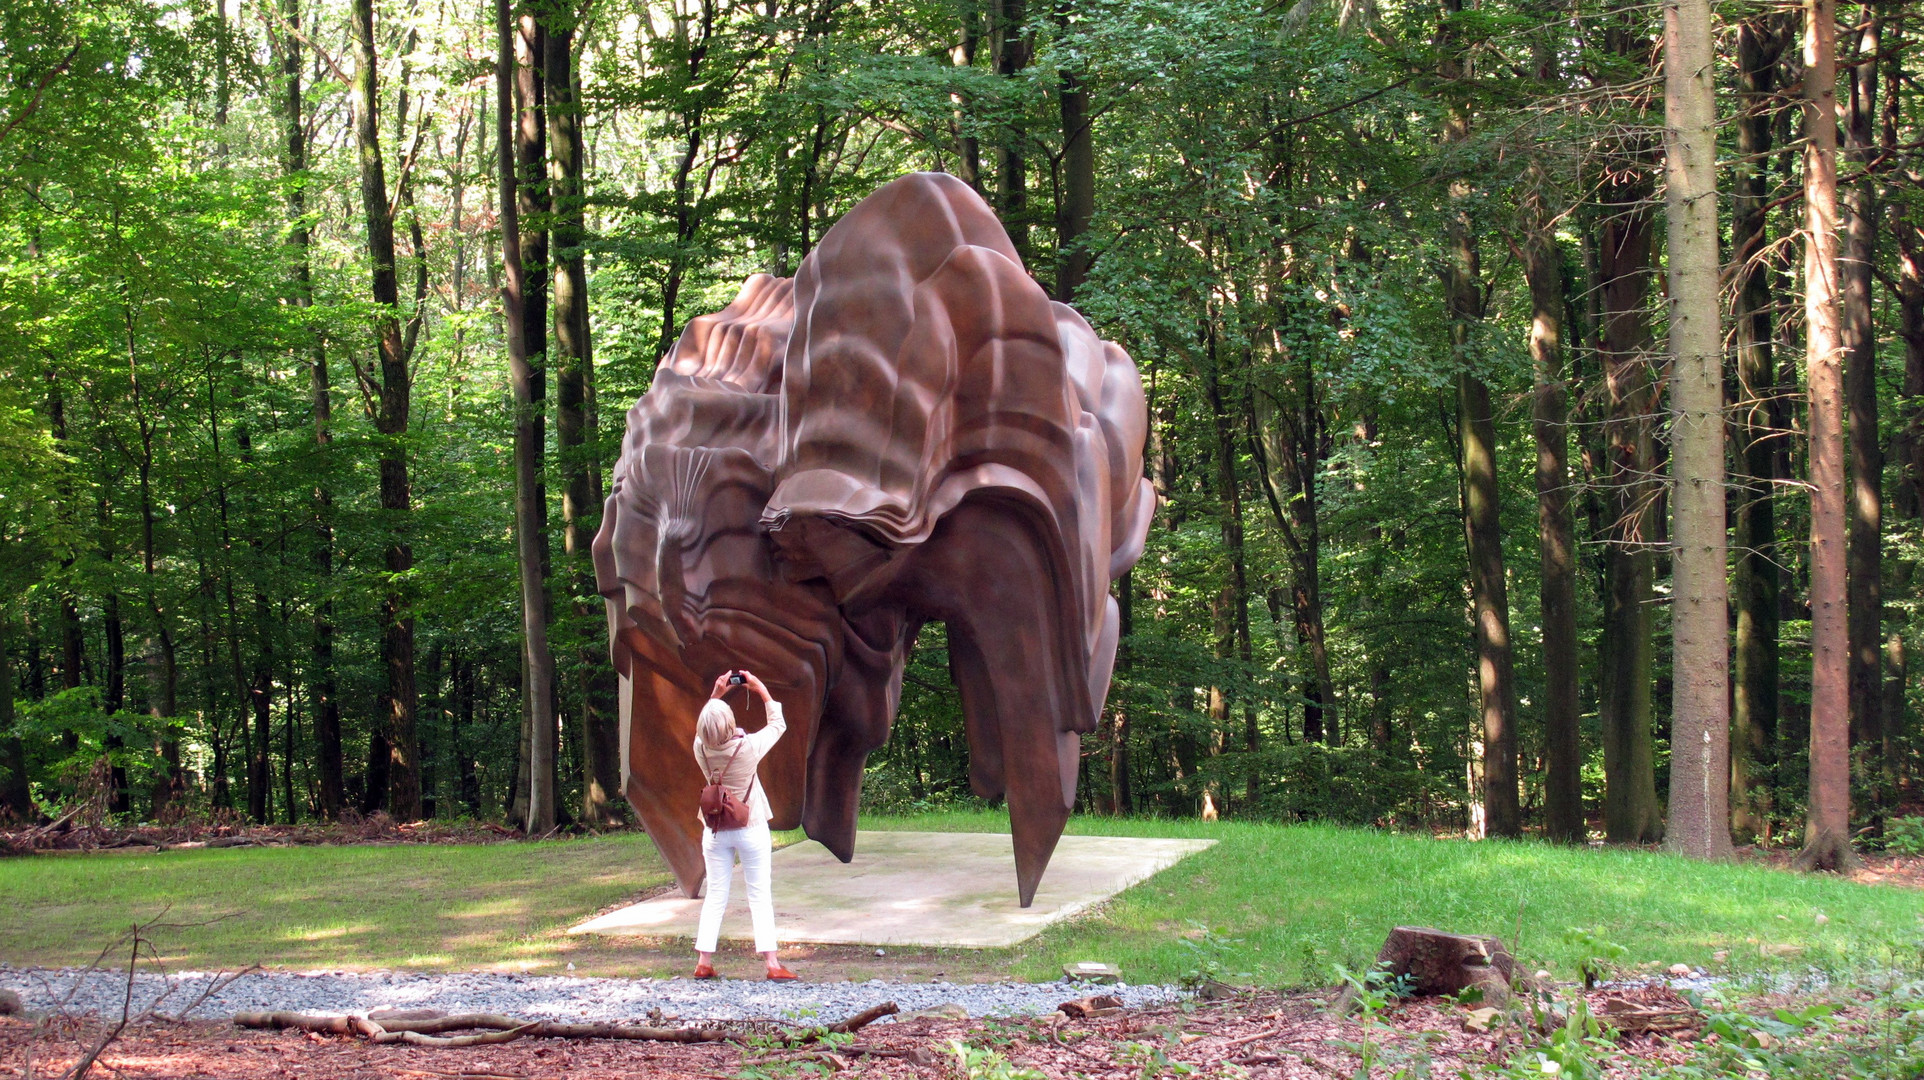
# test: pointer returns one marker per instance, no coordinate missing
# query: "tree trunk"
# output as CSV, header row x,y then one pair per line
x,y
1078,205
1291,440
688,210
1827,844
1700,619
1121,797
1482,532
236,672
1010,48
516,84
260,682
1896,681
580,509
17,795
465,689
163,663
1910,305
968,148
1556,538
1908,447
70,636
1760,425
1855,266
1490,607
1631,811
327,710
219,794
290,734
399,700
1232,638
261,695
114,696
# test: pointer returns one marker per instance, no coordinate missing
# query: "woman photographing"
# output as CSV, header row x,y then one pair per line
x,y
735,815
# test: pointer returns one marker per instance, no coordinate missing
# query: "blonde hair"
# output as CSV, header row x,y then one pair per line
x,y
717,723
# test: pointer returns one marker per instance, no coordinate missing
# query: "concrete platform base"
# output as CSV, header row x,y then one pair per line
x,y
948,890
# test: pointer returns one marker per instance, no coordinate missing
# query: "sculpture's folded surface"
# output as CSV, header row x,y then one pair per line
x,y
907,431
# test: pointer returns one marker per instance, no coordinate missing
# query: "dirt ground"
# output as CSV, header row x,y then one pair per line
x,y
1268,1036
1877,869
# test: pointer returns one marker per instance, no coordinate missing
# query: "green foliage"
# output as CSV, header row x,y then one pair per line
x,y
1214,953
1370,993
66,733
1600,955
1271,208
1574,1050
1904,835
984,1063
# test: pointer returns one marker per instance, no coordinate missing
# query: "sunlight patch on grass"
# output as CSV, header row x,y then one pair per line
x,y
503,907
434,961
325,933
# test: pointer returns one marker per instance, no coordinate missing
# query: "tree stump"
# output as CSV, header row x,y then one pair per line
x,y
1437,964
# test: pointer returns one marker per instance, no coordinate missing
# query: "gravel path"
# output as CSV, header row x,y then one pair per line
x,y
542,997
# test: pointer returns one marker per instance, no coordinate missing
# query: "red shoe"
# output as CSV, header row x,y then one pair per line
x,y
781,973
704,971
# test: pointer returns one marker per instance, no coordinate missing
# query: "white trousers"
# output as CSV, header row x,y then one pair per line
x,y
720,849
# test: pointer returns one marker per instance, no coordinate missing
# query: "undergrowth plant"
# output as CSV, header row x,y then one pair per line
x,y
972,1062
1208,950
1904,836
1370,994
1599,956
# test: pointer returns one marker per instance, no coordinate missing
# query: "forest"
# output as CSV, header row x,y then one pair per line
x,y
1536,389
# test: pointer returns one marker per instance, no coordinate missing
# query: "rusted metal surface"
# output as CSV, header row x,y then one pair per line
x,y
908,431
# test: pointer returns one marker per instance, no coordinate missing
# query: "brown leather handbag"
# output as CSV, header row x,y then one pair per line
x,y
721,810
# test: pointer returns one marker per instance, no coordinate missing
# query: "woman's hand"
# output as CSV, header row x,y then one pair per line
x,y
721,685
755,684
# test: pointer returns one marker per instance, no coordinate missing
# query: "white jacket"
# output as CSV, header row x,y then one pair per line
x,y
740,777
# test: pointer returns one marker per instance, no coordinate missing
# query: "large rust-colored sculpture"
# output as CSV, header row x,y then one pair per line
x,y
909,430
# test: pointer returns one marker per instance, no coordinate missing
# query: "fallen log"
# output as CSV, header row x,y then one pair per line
x,y
1633,1018
427,1031
504,1028
864,1018
1083,1008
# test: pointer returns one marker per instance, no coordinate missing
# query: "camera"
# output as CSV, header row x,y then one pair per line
x,y
735,678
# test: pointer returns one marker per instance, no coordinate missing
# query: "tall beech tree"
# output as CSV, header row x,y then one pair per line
x,y
1700,620
1856,267
388,393
1556,536
1908,446
1630,472
1476,442
575,422
1543,276
1077,204
1761,428
325,695
1010,49
1827,830
519,135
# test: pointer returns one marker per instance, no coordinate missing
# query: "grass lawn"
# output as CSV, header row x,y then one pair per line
x,y
1285,903
1273,904
429,906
